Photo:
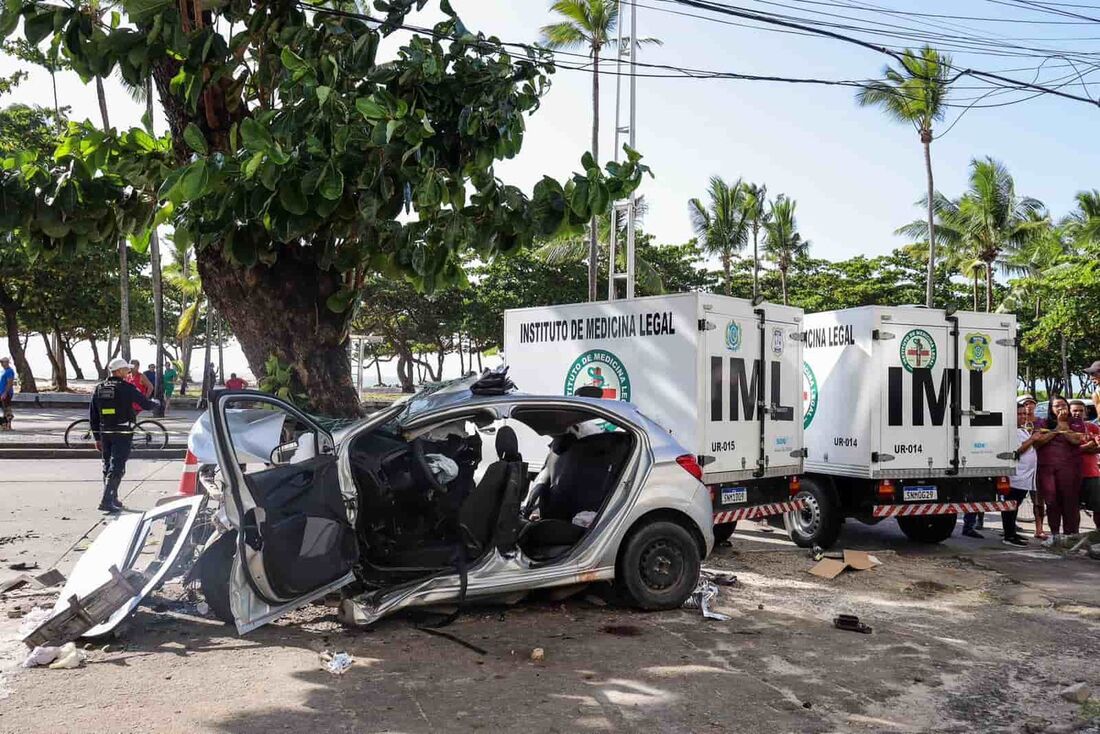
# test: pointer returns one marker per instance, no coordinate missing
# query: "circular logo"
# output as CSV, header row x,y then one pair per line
x,y
733,336
918,350
598,370
809,396
777,341
978,356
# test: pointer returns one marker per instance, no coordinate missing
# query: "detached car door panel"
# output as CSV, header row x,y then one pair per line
x,y
295,541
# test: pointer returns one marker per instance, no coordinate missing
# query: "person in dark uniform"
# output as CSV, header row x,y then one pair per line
x,y
112,416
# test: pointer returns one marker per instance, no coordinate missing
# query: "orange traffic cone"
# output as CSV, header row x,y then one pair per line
x,y
190,476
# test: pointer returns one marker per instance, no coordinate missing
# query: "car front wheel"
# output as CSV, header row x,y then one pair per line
x,y
659,566
215,566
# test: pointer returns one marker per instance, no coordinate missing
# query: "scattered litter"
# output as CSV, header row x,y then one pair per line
x,y
622,630
68,658
338,663
202,608
705,593
830,568
724,579
42,655
595,600
53,577
1077,693
15,613
23,566
817,552
851,623
538,655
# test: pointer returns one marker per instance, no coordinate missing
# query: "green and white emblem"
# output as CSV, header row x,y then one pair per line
x,y
918,350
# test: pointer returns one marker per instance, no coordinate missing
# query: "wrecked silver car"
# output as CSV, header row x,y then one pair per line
x,y
456,493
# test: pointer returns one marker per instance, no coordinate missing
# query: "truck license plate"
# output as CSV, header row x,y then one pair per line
x,y
734,495
919,494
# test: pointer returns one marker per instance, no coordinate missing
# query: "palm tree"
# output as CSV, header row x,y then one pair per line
x,y
1083,224
721,225
915,93
755,204
588,25
782,242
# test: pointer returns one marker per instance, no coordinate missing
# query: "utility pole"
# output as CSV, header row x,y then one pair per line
x,y
629,207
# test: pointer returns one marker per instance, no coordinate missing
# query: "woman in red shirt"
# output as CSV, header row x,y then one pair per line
x,y
1059,476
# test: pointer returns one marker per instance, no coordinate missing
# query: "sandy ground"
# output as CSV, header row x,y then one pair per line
x,y
966,637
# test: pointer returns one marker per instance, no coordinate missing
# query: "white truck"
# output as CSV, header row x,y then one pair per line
x,y
910,414
722,375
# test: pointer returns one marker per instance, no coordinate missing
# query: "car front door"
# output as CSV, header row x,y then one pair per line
x,y
295,541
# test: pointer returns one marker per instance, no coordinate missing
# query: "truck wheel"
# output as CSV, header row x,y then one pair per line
x,y
659,566
928,528
723,531
819,522
215,567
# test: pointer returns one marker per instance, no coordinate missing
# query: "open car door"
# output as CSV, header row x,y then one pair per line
x,y
295,542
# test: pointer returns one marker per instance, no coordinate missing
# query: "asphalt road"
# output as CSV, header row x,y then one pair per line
x,y
968,636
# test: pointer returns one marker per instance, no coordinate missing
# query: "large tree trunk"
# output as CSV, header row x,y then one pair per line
x,y
926,138
280,309
975,290
783,282
989,286
405,372
15,346
79,373
593,237
100,370
57,367
728,272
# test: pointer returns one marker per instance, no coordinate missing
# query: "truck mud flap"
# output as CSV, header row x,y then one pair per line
x,y
941,508
758,511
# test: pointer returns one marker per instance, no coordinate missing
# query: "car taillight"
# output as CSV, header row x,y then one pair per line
x,y
1003,485
794,486
690,465
886,489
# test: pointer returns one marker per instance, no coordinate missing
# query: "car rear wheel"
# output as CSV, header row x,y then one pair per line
x,y
928,528
818,522
723,531
215,566
659,566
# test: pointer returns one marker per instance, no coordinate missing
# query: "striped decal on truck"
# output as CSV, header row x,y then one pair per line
x,y
757,512
948,508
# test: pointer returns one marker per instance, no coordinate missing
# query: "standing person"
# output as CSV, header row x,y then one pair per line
x,y
112,416
235,383
1090,467
7,392
1029,404
1093,371
1059,475
1023,481
140,382
151,376
170,376
209,380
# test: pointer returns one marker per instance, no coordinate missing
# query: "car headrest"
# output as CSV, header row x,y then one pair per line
x,y
507,444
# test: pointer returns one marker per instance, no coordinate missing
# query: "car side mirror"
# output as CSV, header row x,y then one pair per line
x,y
283,453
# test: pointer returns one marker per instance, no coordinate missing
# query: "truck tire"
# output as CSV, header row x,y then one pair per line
x,y
928,528
819,523
215,567
723,531
658,566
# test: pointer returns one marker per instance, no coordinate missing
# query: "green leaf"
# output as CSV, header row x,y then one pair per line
x,y
255,136
370,109
292,198
233,137
391,127
323,93
331,185
341,300
195,180
291,60
253,164
587,161
186,325
194,138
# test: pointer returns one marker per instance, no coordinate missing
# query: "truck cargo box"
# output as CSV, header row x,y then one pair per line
x,y
724,377
897,392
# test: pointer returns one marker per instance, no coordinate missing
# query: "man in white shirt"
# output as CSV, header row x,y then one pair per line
x,y
1023,481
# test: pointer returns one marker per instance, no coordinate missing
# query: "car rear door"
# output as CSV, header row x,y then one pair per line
x,y
295,541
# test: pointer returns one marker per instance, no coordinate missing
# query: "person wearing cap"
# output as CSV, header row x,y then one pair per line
x,y
7,391
112,416
1029,403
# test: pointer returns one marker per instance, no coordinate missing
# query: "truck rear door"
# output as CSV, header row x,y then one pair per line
x,y
735,396
783,391
987,362
914,356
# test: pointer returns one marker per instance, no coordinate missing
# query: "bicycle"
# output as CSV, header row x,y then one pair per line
x,y
148,434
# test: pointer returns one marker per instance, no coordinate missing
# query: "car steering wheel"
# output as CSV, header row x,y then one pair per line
x,y
421,460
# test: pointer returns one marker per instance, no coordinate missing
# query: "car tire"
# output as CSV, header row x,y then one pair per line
x,y
819,523
723,531
928,528
215,567
659,566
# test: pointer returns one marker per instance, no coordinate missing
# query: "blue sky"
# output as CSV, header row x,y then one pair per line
x,y
854,173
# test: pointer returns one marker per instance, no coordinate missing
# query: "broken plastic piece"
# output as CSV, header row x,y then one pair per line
x,y
68,658
705,593
851,623
41,655
336,663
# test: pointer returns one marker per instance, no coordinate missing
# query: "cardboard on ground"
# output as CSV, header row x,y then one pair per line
x,y
830,568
